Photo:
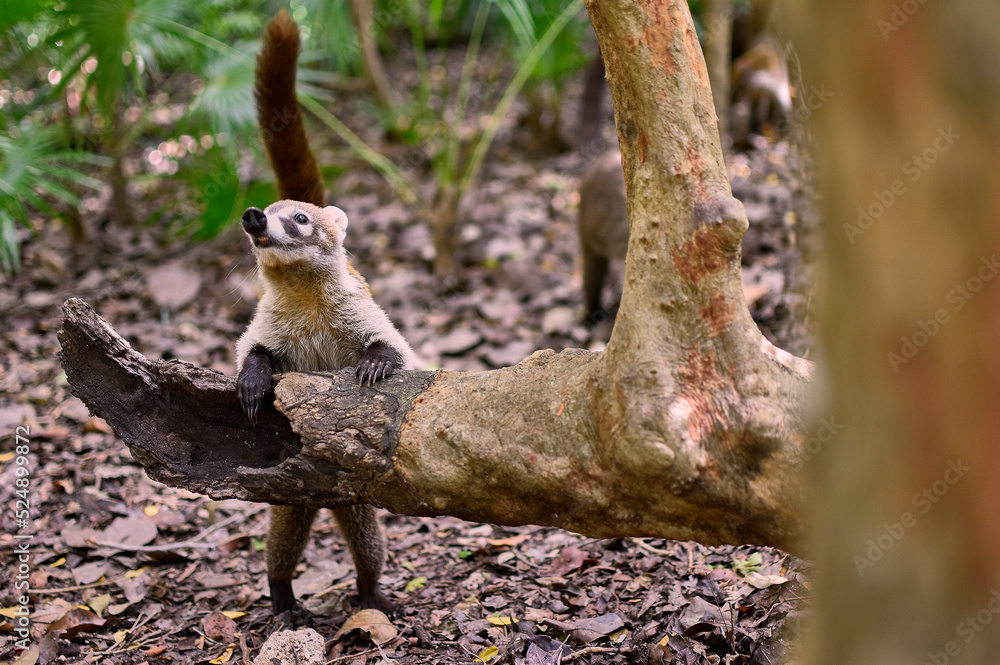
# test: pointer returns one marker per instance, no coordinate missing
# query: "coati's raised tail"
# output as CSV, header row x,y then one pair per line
x,y
280,116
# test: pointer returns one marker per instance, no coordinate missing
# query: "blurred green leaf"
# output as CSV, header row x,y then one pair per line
x,y
35,170
13,12
227,99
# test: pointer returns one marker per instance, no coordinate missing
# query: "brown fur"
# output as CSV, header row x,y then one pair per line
x,y
290,526
280,116
760,81
592,114
603,225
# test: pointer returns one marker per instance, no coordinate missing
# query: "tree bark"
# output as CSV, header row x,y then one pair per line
x,y
687,426
718,19
481,446
378,81
905,99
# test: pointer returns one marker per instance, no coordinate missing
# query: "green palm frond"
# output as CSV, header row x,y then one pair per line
x,y
227,100
34,172
528,20
13,12
116,33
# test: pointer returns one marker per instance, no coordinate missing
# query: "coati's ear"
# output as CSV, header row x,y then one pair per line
x,y
337,216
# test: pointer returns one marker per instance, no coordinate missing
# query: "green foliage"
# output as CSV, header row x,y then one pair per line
x,y
220,192
103,34
328,32
128,64
35,171
226,102
13,12
751,564
528,21
112,56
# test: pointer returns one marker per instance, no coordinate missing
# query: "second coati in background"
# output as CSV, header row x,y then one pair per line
x,y
603,225
316,314
760,81
602,221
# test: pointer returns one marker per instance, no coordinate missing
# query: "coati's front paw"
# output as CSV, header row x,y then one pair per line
x,y
377,362
252,387
254,382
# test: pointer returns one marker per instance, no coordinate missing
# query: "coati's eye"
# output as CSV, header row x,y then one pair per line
x,y
300,218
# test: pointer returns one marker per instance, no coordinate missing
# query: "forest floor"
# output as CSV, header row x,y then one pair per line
x,y
124,570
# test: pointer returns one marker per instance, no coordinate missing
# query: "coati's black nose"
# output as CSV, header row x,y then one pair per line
x,y
254,221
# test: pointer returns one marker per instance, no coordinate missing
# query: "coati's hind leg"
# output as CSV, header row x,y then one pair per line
x,y
364,537
286,540
595,271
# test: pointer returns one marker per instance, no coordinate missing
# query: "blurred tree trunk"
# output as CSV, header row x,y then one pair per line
x,y
378,80
718,20
443,216
907,542
761,16
117,137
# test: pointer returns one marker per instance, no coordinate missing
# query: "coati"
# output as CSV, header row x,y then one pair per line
x,y
760,82
602,222
316,313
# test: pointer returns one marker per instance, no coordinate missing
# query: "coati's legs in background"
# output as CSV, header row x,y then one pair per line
x,y
595,270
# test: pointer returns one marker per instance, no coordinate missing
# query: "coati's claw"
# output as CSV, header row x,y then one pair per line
x,y
377,362
254,382
251,398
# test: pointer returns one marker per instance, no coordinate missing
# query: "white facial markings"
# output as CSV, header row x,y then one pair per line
x,y
294,226
275,229
304,230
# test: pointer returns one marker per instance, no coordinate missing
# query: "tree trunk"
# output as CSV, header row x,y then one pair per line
x,y
905,98
443,216
378,80
686,426
718,18
115,137
592,114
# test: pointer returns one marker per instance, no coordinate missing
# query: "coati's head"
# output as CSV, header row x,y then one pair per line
x,y
293,231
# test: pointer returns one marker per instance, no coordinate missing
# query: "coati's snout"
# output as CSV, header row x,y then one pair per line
x,y
254,221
